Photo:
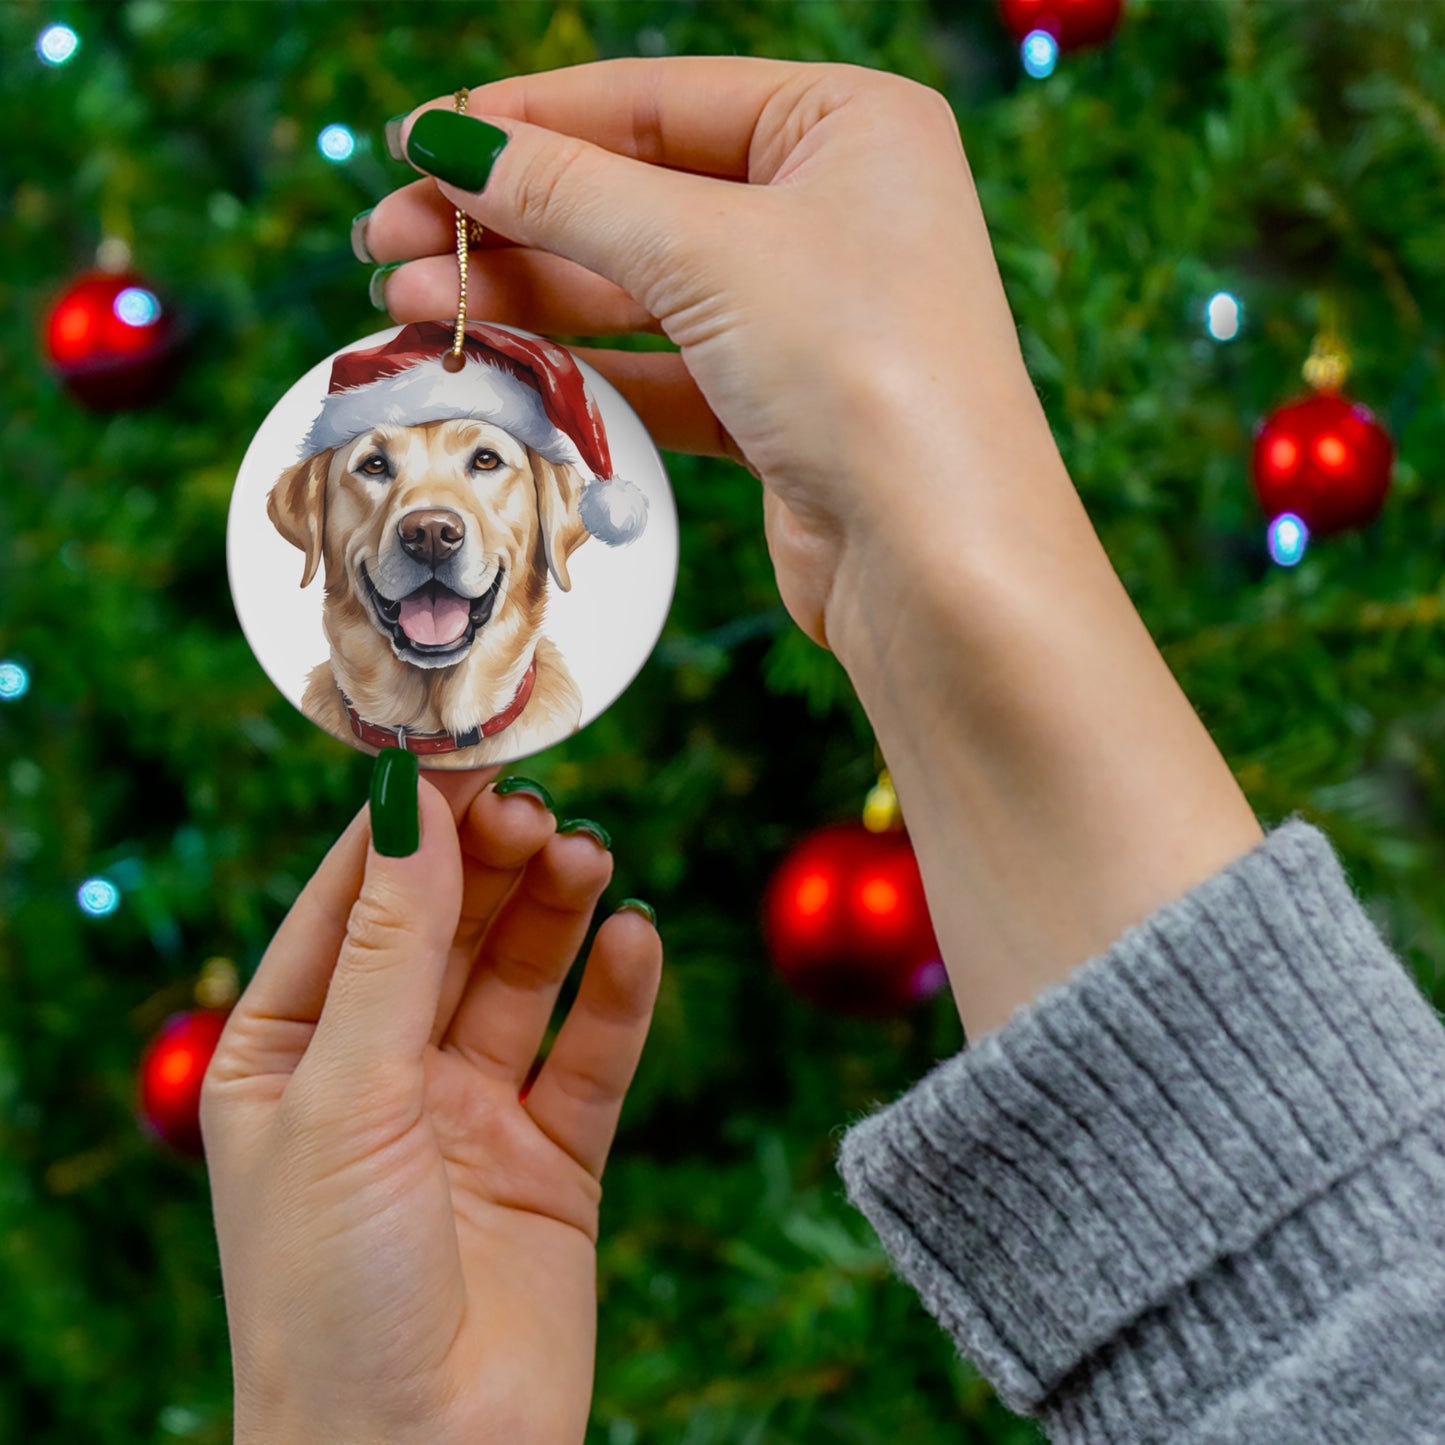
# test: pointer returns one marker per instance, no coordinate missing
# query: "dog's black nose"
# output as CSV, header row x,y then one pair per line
x,y
431,536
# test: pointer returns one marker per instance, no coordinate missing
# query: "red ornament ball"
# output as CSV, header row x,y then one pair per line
x,y
112,341
1073,23
171,1072
1326,459
848,926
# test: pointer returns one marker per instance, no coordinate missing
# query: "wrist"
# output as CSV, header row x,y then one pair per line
x,y
945,524
261,1429
1057,784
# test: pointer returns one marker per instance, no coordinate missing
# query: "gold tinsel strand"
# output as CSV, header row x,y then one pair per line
x,y
219,985
1328,366
880,808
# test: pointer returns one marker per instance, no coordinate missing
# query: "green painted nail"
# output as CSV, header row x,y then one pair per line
x,y
455,148
359,247
525,785
376,289
636,905
395,820
586,825
392,132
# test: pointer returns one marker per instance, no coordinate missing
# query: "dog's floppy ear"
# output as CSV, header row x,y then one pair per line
x,y
297,508
559,493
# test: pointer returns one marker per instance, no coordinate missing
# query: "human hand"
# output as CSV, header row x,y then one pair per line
x,y
408,1247
810,237
841,321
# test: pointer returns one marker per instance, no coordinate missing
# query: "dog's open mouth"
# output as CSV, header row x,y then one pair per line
x,y
433,620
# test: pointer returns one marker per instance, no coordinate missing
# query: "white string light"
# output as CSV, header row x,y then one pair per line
x,y
14,681
1223,316
336,143
1040,54
57,44
1288,538
98,897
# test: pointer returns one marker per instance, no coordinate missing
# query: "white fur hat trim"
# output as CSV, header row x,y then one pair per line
x,y
427,391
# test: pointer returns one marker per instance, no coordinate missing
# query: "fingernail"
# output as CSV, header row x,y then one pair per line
x,y
359,248
586,825
395,813
512,785
636,905
455,148
392,132
376,288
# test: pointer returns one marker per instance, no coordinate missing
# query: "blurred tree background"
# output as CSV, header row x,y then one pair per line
x,y
1286,153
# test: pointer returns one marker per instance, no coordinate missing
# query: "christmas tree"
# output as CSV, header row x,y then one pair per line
x,y
1212,162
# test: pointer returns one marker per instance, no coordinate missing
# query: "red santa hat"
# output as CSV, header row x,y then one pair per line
x,y
527,386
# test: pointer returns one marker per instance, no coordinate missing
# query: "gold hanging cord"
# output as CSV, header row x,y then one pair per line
x,y
469,233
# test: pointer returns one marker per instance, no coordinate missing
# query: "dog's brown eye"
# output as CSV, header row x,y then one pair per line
x,y
486,461
374,466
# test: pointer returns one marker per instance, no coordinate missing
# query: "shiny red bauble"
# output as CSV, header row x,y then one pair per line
x,y
847,924
171,1072
1324,458
1073,23
112,341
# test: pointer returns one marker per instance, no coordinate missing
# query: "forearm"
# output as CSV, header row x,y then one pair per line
x,y
1056,782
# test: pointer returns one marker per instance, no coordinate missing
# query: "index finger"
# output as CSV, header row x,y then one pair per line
x,y
696,113
290,982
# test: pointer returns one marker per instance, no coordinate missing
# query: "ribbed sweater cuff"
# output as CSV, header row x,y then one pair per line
x,y
1167,1152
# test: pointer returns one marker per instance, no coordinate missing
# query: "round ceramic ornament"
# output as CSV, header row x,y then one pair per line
x,y
455,540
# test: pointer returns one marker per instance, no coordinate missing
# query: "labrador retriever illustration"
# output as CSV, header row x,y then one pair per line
x,y
440,503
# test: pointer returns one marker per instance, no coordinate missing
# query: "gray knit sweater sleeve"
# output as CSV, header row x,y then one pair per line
x,y
1196,1192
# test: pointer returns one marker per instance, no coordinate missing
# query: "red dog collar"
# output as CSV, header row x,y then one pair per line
x,y
443,742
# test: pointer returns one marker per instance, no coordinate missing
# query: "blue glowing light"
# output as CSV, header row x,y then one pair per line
x,y
137,307
1040,53
14,681
1223,316
336,143
1288,538
98,897
57,44
927,979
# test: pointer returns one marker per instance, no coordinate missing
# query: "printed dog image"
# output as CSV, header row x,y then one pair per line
x,y
440,505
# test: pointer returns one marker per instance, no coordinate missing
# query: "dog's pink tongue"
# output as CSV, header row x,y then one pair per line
x,y
434,621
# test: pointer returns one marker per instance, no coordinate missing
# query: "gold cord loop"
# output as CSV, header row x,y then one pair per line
x,y
469,233
1328,367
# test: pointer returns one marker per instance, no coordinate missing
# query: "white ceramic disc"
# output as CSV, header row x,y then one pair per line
x,y
489,554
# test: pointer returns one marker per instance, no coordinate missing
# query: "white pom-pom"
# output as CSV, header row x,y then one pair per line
x,y
614,511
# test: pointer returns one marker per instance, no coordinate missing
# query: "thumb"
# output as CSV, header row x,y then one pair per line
x,y
382,999
635,224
